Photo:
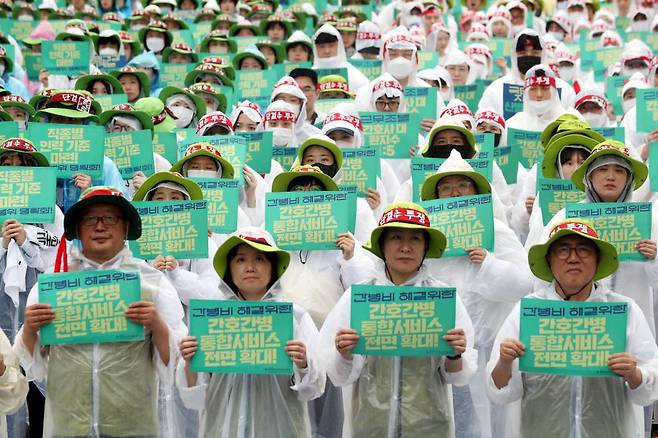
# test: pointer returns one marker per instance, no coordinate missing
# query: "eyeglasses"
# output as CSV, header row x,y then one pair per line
x,y
305,188
463,186
563,252
91,221
381,104
118,127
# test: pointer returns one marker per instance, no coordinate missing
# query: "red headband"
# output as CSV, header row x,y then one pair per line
x,y
578,227
271,116
336,117
405,215
539,81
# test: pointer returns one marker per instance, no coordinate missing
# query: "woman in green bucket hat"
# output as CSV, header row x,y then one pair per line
x,y
273,52
383,385
186,106
99,84
218,43
155,37
250,266
179,53
19,110
250,59
135,83
211,95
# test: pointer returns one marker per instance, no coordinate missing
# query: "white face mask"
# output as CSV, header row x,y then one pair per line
x,y
567,73
198,173
344,144
516,28
631,71
596,120
108,51
155,44
480,70
400,67
25,17
628,104
281,136
538,107
184,116
557,35
640,26
329,62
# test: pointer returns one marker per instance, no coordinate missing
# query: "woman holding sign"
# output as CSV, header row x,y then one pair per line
x,y
563,402
395,396
241,405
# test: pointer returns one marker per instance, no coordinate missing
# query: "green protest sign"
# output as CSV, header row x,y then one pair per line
x,y
421,101
650,38
372,68
653,166
554,195
309,220
109,101
500,48
285,68
466,221
245,337
284,156
391,133
646,108
616,133
131,152
603,58
427,60
223,197
422,168
71,148
65,57
571,338
507,159
512,100
232,147
485,142
360,169
8,130
623,224
251,84
613,89
402,320
172,228
33,66
165,144
587,50
108,63
528,144
89,306
16,28
469,94
182,36
340,71
326,106
259,150
199,31
27,194
173,75
622,23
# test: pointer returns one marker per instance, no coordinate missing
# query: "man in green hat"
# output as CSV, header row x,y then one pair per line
x,y
108,389
574,260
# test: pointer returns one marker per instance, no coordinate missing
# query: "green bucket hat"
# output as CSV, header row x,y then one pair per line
x,y
277,48
180,48
551,128
323,141
128,110
144,82
16,102
204,149
455,126
84,83
552,152
258,239
73,104
616,148
172,17
4,116
411,216
250,51
155,108
608,262
223,63
154,180
218,35
41,97
102,195
202,88
453,165
200,105
574,127
24,146
157,26
276,18
237,27
208,69
283,180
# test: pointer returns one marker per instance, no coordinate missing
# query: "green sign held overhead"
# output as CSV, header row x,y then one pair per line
x,y
68,58
555,194
284,156
223,197
422,168
259,150
391,133
466,221
89,306
623,224
71,148
245,337
507,159
8,130
402,320
528,144
421,101
646,110
131,152
309,220
371,68
571,338
360,169
27,194
172,228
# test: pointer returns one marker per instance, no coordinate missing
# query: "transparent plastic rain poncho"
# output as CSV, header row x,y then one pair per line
x,y
579,407
394,396
111,389
253,405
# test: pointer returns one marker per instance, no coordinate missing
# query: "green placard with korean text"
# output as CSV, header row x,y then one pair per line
x,y
371,68
571,338
259,150
254,83
284,156
646,110
131,152
554,195
613,89
8,130
245,337
70,148
528,144
421,101
653,166
232,147
466,221
402,320
223,197
616,133
27,194
360,169
33,66
391,133
309,220
422,168
65,57
507,159
165,144
89,306
172,228
623,224
173,75
109,101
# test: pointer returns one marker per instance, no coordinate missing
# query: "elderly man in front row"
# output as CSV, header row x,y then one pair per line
x,y
559,406
108,389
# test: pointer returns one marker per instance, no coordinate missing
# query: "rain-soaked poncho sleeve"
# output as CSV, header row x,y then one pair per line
x,y
13,384
200,281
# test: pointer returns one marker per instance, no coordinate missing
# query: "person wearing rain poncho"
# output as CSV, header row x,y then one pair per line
x,y
639,141
252,405
460,68
368,41
439,78
610,174
203,160
393,396
289,91
489,284
329,52
149,65
528,52
442,40
107,389
75,30
186,106
575,260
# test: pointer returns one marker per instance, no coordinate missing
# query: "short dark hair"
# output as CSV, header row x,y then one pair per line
x,y
228,279
326,38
